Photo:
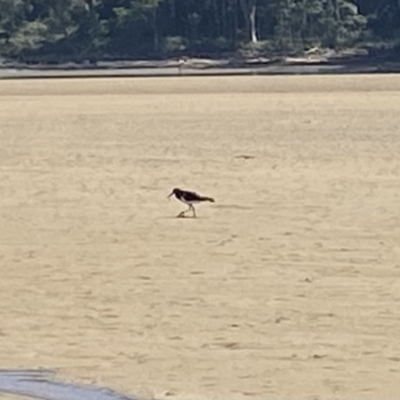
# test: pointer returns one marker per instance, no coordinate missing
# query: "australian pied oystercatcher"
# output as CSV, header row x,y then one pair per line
x,y
189,198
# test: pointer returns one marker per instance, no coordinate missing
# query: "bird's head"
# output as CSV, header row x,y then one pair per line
x,y
174,192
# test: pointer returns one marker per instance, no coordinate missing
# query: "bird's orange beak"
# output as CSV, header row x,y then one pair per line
x,y
170,195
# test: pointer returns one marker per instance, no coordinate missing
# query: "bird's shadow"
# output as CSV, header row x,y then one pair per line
x,y
183,217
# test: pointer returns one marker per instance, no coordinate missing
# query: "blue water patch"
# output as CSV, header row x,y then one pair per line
x,y
40,384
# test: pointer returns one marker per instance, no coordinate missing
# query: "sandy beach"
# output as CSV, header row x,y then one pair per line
x,y
286,288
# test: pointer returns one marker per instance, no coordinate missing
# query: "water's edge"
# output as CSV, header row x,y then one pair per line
x,y
41,384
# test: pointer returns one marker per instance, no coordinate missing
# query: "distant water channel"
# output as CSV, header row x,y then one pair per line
x,y
12,73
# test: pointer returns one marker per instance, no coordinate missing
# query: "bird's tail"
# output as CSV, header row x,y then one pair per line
x,y
208,199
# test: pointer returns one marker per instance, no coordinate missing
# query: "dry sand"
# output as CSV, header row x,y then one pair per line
x,y
286,288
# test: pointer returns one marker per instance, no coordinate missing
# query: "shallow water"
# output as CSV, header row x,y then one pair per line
x,y
41,385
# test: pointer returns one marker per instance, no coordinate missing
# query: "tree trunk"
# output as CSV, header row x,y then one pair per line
x,y
249,13
253,23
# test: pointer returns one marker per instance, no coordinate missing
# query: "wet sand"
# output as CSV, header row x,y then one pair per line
x,y
286,287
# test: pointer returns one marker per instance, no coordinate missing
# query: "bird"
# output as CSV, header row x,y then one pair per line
x,y
189,198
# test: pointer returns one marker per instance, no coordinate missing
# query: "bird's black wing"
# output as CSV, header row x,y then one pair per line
x,y
191,196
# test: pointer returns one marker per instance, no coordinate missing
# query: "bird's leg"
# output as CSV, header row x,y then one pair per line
x,y
183,213
193,210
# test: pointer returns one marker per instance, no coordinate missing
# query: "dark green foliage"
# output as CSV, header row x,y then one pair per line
x,y
61,30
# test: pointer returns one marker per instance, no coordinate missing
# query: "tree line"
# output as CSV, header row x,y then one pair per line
x,y
63,30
